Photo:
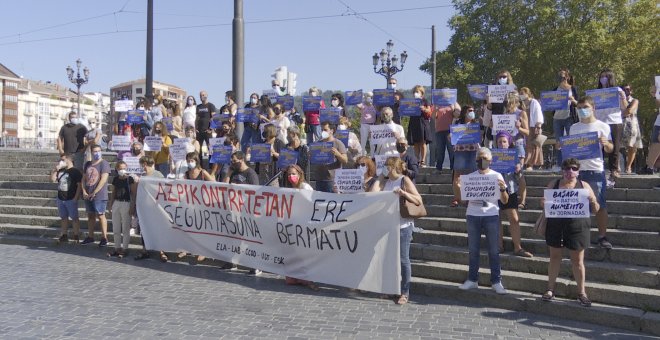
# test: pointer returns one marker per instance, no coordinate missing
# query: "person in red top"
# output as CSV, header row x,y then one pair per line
x,y
312,119
444,115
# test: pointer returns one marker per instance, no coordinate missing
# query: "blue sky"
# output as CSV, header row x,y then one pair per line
x,y
331,52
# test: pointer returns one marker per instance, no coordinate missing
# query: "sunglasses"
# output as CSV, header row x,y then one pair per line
x,y
362,164
574,168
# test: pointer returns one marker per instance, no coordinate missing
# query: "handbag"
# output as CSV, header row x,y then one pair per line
x,y
540,225
409,209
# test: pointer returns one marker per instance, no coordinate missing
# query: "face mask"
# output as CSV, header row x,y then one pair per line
x,y
263,135
603,81
141,108
341,127
253,101
418,95
560,78
293,179
236,166
470,115
325,135
157,131
225,112
401,148
369,100
61,165
136,151
334,103
503,80
276,112
97,156
363,168
391,86
121,172
75,121
275,87
584,113
191,102
314,94
483,164
191,165
92,126
155,101
214,134
523,97
569,174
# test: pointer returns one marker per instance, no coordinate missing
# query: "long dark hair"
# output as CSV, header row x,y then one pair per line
x,y
611,78
464,111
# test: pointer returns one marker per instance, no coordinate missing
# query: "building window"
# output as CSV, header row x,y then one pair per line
x,y
138,90
11,85
11,126
11,112
11,99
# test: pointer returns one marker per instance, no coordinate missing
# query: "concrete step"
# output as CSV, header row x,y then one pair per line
x,y
634,319
27,165
622,255
51,194
37,211
40,178
604,272
24,185
26,171
44,221
52,233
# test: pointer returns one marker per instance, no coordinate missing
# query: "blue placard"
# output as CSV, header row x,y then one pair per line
x,y
260,153
444,97
384,97
342,135
311,103
504,160
478,92
287,157
286,102
247,115
217,119
465,133
582,146
353,97
554,100
330,114
168,123
607,98
410,107
135,117
321,153
221,154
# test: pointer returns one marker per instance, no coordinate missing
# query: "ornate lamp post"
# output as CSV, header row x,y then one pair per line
x,y
78,80
388,62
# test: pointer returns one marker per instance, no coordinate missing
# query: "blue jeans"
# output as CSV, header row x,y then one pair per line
x,y
443,144
490,225
250,136
561,127
404,250
314,135
163,168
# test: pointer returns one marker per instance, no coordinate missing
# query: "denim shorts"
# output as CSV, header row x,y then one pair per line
x,y
465,161
598,184
96,206
655,133
68,209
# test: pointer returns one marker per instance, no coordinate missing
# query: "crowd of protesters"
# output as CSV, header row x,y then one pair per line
x,y
82,173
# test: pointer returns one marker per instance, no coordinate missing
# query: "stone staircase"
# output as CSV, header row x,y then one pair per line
x,y
623,283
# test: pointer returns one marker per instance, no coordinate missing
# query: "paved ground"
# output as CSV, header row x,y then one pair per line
x,y
75,292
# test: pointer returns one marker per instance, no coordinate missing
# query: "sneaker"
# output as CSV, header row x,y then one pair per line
x,y
467,285
103,242
255,272
604,243
64,238
229,266
646,171
498,288
87,240
611,183
132,231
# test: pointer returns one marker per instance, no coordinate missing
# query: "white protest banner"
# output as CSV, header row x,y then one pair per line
x,y
181,141
505,123
349,181
123,105
178,152
478,187
132,165
497,93
121,143
153,143
380,134
309,235
566,203
380,161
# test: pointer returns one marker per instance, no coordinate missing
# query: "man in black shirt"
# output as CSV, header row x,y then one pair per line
x,y
68,193
241,173
71,140
205,111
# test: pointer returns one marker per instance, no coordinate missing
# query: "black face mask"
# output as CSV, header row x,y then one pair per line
x,y
483,164
236,166
137,151
263,135
401,148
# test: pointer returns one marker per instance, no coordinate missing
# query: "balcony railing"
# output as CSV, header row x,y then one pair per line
x,y
28,143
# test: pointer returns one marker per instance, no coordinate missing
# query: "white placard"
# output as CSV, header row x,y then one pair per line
x,y
380,161
497,93
132,165
181,141
349,181
505,123
272,95
381,134
214,142
121,143
566,203
153,143
178,152
306,234
478,187
123,105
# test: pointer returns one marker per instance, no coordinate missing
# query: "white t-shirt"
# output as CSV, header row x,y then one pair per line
x,y
535,113
389,148
484,208
592,164
390,186
281,125
189,115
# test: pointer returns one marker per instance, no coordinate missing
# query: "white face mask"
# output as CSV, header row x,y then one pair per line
x,y
523,97
213,134
253,101
121,172
341,127
192,165
503,80
418,95
141,108
334,103
156,102
191,102
313,94
325,135
75,120
363,169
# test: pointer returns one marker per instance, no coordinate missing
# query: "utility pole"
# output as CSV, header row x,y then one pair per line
x,y
150,51
238,58
433,83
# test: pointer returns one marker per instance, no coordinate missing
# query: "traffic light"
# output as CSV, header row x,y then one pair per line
x,y
291,83
280,76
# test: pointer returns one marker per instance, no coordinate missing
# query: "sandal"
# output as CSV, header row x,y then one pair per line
x,y
523,253
454,204
522,206
141,256
121,254
584,300
548,295
403,299
163,257
113,254
314,287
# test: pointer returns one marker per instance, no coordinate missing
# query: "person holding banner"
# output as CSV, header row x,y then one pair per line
x,y
149,168
571,233
251,133
295,144
312,118
444,115
388,146
368,168
593,169
419,127
122,205
535,138
281,122
614,118
267,170
464,155
632,136
190,112
221,171
483,215
325,172
402,186
367,118
398,95
162,157
563,119
353,147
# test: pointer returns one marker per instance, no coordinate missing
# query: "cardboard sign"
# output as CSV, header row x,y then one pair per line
x,y
330,114
123,105
342,135
182,141
582,146
221,154
311,103
607,98
465,133
478,92
286,102
410,107
168,123
216,143
478,187
132,165
121,143
178,152
153,143
554,100
379,134
383,97
505,123
353,97
260,153
444,97
217,119
247,115
504,160
380,161
287,157
272,95
349,181
320,153
497,93
135,117
566,203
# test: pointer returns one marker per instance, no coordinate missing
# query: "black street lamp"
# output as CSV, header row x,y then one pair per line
x,y
388,62
78,80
